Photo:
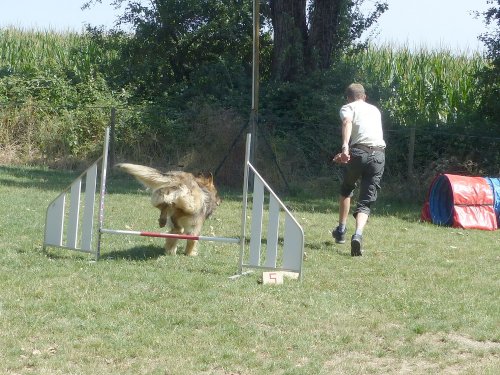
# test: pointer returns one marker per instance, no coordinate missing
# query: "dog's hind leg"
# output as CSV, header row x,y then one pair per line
x,y
162,221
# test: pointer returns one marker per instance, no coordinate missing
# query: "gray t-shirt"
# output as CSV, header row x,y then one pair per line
x,y
366,123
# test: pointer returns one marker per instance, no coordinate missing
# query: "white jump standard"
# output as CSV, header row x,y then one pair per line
x,y
288,257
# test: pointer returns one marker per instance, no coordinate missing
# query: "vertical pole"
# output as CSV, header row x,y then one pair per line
x,y
112,123
411,152
102,192
255,78
244,203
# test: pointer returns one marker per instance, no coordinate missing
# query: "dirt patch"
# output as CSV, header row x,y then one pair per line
x,y
464,343
459,355
474,344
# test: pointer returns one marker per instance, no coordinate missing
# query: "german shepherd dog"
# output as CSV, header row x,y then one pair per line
x,y
185,201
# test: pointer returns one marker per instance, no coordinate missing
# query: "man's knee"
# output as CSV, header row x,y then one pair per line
x,y
346,190
362,208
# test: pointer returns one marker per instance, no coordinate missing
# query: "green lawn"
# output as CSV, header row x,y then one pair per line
x,y
422,300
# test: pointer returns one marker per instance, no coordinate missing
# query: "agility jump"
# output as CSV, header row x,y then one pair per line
x,y
62,226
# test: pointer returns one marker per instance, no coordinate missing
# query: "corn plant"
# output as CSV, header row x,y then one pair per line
x,y
28,52
423,86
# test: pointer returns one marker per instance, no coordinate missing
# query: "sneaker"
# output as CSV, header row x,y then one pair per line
x,y
356,242
338,235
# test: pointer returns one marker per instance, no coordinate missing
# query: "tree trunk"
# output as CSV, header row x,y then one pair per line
x,y
297,49
325,27
290,38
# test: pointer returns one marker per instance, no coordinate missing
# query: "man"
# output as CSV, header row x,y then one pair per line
x,y
363,153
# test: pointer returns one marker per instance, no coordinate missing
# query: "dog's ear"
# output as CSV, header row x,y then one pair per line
x,y
207,179
210,178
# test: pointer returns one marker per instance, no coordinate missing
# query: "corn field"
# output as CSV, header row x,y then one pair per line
x,y
423,87
28,52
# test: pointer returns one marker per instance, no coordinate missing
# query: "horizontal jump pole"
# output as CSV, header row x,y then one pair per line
x,y
170,235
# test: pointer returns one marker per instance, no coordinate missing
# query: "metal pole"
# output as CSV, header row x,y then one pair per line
x,y
244,203
255,78
170,235
112,137
102,192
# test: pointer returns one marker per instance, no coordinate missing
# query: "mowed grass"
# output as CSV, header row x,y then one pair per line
x,y
422,300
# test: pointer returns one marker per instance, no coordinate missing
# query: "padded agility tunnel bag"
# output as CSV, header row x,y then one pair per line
x,y
463,202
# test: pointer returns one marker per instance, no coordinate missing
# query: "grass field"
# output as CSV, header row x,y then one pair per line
x,y
422,300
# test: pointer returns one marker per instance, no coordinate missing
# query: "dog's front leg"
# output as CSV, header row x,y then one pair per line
x,y
171,243
192,245
171,246
191,248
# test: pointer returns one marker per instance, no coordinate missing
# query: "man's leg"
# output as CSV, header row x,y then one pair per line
x,y
339,232
361,214
361,219
357,237
370,182
344,206
352,172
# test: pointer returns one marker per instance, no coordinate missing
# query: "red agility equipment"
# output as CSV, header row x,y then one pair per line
x,y
461,202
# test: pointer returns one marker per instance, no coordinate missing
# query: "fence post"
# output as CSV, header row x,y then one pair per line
x,y
411,152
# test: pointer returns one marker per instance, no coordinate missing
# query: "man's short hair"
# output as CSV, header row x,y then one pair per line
x,y
355,91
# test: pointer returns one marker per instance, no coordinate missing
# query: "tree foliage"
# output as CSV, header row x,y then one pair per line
x,y
172,40
491,74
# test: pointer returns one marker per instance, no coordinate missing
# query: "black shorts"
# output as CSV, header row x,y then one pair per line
x,y
368,166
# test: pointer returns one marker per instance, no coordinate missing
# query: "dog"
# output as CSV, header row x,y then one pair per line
x,y
185,201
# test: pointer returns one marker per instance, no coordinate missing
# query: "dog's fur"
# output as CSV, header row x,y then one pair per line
x,y
184,201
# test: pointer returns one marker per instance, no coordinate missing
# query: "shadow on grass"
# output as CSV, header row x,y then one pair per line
x,y
50,179
54,180
137,253
142,253
27,177
121,183
346,252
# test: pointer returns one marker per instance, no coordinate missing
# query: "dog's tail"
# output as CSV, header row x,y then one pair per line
x,y
149,177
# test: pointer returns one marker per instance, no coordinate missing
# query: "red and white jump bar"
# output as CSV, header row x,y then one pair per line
x,y
171,235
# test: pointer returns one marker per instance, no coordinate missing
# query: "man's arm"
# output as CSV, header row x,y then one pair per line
x,y
346,135
343,157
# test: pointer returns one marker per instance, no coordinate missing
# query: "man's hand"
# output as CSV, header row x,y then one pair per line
x,y
342,158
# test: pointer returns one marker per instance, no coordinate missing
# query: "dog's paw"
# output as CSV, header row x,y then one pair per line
x,y
192,253
171,251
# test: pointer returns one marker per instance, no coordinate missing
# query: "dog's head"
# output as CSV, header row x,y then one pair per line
x,y
206,181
